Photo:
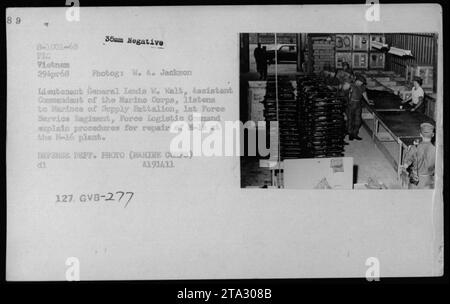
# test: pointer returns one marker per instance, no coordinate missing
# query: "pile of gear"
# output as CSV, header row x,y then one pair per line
x,y
285,111
310,119
321,118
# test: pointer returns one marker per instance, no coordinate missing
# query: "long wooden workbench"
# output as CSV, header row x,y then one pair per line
x,y
391,126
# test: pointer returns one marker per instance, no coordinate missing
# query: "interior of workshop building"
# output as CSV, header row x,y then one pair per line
x,y
303,86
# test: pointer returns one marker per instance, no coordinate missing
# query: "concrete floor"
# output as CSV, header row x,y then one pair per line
x,y
369,161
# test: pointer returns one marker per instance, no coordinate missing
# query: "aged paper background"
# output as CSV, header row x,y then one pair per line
x,y
194,221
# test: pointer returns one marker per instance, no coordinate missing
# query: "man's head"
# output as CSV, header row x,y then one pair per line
x,y
345,66
259,44
426,130
417,81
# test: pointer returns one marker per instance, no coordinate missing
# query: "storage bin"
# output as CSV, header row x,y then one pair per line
x,y
360,42
377,60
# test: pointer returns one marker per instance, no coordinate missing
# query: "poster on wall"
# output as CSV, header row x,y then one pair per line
x,y
343,42
342,57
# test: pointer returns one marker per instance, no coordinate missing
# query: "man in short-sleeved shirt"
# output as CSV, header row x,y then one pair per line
x,y
416,101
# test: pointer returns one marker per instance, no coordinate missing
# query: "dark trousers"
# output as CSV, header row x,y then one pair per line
x,y
354,118
264,71
258,69
420,109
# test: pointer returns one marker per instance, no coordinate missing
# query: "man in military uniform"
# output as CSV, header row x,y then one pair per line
x,y
345,78
357,92
258,53
420,160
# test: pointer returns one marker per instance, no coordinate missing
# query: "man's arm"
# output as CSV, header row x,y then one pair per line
x,y
406,100
409,156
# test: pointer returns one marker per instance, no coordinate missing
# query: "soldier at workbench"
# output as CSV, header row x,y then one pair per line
x,y
354,110
420,160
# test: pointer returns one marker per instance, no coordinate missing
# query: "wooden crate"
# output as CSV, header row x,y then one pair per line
x,y
360,42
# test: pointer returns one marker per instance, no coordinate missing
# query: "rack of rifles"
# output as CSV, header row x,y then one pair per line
x,y
310,117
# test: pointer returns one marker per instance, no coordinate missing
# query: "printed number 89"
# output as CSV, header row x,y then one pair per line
x,y
9,20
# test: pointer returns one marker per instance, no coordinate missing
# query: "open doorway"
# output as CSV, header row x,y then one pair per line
x,y
283,49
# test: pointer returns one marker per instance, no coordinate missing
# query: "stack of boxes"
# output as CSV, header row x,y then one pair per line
x,y
376,56
323,52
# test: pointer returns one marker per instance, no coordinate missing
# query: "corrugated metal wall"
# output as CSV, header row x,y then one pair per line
x,y
422,45
424,49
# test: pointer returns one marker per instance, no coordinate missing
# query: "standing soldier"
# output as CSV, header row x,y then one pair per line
x,y
344,76
357,92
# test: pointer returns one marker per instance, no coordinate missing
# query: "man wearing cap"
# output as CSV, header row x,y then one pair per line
x,y
354,110
421,160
